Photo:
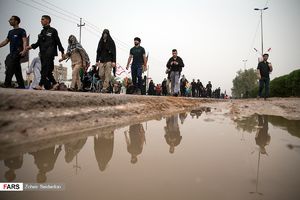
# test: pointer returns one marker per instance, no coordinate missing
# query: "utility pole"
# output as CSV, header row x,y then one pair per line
x,y
244,61
261,27
80,25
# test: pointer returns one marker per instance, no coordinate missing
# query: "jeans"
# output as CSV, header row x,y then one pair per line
x,y
174,82
13,67
264,83
136,75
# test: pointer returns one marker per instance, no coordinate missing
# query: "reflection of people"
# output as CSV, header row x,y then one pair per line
x,y
45,160
196,113
73,148
172,136
262,137
135,141
103,147
13,164
182,117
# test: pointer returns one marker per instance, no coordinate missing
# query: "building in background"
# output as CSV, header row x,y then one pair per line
x,y
60,73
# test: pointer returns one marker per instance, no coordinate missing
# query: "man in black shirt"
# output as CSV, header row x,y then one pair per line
x,y
208,89
138,57
263,70
17,39
106,58
194,88
175,65
199,88
48,41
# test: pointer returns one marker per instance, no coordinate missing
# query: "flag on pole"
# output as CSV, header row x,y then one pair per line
x,y
25,58
120,70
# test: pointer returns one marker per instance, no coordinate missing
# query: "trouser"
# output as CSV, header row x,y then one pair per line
x,y
105,73
193,92
13,67
174,82
47,63
264,83
76,77
136,75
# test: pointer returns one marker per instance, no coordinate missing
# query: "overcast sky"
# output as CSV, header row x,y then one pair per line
x,y
211,36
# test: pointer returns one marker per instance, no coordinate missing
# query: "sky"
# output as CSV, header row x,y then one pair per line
x,y
213,37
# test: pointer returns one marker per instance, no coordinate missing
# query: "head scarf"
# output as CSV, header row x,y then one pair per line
x,y
73,45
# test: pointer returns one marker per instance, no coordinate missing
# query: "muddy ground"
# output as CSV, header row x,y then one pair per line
x,y
37,117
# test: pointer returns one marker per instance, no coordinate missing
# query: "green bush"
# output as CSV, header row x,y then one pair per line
x,y
283,86
286,86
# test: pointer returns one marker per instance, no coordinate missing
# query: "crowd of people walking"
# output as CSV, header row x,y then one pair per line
x,y
98,77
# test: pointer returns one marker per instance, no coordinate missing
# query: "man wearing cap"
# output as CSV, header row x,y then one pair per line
x,y
106,58
263,70
138,57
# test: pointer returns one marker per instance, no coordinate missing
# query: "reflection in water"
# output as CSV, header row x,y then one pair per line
x,y
13,164
135,141
72,149
172,135
246,124
198,112
182,117
222,172
103,147
262,139
45,160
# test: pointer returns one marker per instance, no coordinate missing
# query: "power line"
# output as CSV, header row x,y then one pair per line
x,y
69,16
39,9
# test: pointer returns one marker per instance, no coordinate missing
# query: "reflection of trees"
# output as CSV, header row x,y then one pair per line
x,y
246,124
292,126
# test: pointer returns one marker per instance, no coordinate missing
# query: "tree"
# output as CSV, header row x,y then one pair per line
x,y
244,83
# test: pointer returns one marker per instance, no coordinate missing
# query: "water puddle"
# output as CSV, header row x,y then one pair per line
x,y
195,155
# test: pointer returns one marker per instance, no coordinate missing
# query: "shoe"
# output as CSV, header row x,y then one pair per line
x,y
71,89
55,86
38,88
138,92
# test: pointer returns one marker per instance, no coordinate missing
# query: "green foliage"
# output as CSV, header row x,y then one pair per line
x,y
286,86
283,86
244,83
